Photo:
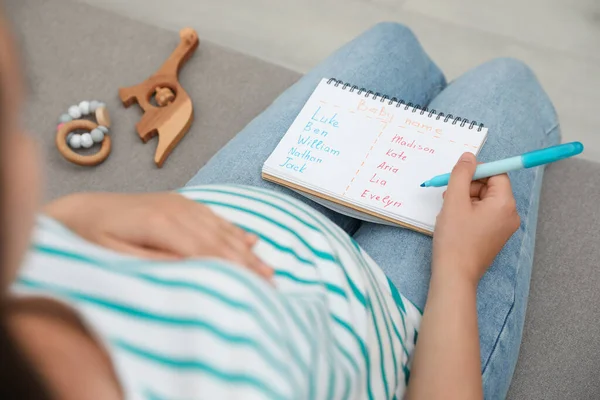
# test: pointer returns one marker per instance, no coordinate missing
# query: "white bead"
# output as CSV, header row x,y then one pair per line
x,y
94,104
97,135
75,112
75,141
86,141
84,107
63,119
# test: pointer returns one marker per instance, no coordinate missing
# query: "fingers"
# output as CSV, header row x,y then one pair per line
x,y
459,186
137,250
176,227
498,185
167,232
251,239
475,190
239,251
222,238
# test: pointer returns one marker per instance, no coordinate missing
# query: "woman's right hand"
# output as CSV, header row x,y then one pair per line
x,y
477,219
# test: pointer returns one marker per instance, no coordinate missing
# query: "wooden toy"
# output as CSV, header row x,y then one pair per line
x,y
174,116
67,140
164,96
103,117
79,159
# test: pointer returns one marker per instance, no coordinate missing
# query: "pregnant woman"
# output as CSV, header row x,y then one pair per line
x,y
236,288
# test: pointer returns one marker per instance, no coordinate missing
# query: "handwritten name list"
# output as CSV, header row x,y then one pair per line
x,y
312,145
368,152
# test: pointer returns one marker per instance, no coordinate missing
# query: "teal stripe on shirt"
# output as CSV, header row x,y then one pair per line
x,y
167,320
386,314
329,286
318,253
352,285
349,291
356,292
358,257
257,199
314,354
259,294
332,379
172,283
278,246
363,349
198,365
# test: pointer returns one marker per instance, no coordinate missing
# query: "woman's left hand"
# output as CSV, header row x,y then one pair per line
x,y
156,226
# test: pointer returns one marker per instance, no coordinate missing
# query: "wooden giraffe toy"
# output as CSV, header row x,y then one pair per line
x,y
173,117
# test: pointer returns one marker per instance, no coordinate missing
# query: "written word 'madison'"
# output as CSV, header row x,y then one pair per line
x,y
397,139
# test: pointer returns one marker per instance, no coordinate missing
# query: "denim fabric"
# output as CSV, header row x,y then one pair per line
x,y
503,93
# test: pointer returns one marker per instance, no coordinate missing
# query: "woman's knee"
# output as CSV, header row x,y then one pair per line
x,y
392,35
393,45
513,81
508,68
392,30
514,77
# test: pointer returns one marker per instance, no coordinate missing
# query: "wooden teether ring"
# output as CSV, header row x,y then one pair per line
x,y
79,159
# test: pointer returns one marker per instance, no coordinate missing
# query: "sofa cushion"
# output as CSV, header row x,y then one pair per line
x,y
74,52
560,352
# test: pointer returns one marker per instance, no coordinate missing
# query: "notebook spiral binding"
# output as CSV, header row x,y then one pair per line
x,y
399,103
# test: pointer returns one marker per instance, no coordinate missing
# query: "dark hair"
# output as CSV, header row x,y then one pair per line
x,y
19,380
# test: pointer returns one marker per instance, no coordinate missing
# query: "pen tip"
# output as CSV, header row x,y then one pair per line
x,y
423,184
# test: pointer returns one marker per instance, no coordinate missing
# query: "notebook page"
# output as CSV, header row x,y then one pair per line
x,y
371,153
326,143
408,152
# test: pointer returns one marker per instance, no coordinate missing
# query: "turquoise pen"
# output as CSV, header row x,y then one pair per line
x,y
527,160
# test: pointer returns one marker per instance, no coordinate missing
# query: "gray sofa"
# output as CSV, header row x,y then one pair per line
x,y
75,52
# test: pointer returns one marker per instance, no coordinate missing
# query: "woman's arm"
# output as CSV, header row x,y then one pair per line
x,y
446,363
475,222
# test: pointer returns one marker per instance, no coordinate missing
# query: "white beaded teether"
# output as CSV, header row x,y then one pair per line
x,y
66,140
83,109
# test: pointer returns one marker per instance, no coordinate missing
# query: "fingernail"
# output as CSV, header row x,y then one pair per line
x,y
251,238
466,157
268,270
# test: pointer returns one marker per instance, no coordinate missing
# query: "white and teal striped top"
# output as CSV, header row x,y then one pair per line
x,y
331,326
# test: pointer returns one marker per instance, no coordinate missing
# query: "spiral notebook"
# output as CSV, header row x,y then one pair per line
x,y
365,155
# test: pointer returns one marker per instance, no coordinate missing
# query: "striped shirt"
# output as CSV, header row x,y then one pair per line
x,y
330,325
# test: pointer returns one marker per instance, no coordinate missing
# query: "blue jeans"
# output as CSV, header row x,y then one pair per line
x,y
503,93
